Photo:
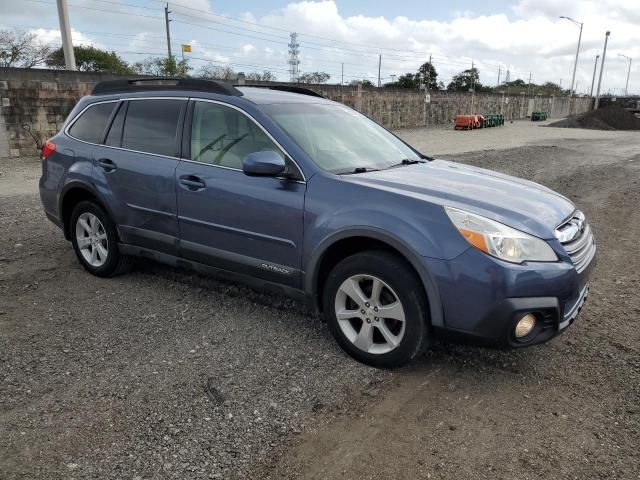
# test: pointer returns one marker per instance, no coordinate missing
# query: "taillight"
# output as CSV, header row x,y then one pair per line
x,y
47,149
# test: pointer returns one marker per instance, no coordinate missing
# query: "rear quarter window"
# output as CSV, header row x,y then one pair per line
x,y
91,124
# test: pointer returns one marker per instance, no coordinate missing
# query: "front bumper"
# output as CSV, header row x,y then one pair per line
x,y
573,312
483,298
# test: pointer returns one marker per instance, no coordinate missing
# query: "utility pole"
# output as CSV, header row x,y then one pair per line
x,y
65,32
473,77
473,85
428,76
166,21
529,86
593,80
342,80
604,54
499,72
379,67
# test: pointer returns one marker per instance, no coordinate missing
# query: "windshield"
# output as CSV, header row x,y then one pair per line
x,y
339,139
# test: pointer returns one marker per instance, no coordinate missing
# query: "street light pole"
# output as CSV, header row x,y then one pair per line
x,y
626,88
604,54
575,64
593,80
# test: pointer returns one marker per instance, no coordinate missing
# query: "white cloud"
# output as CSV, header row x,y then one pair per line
x,y
533,39
248,48
52,37
526,37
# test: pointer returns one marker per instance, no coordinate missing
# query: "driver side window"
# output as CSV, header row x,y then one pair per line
x,y
223,136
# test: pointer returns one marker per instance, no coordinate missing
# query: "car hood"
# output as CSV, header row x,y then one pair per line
x,y
521,204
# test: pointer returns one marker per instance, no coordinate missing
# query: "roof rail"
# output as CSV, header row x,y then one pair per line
x,y
288,88
164,83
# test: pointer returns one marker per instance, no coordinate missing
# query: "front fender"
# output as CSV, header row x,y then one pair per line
x,y
315,259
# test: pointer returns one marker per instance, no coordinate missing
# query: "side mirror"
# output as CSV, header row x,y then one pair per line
x,y
263,164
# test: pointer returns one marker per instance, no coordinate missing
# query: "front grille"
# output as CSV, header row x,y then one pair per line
x,y
576,238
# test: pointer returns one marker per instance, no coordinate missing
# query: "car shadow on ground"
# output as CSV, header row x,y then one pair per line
x,y
467,355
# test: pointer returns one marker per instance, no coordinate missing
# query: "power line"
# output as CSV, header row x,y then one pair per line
x,y
98,9
310,45
400,55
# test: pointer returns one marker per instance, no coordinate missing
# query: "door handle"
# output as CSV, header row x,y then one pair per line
x,y
191,182
107,165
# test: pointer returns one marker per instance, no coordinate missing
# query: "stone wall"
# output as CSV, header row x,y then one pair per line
x,y
40,100
406,109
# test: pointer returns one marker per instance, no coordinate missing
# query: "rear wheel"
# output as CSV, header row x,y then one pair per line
x,y
95,241
376,309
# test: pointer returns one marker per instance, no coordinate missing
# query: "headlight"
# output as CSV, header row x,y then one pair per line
x,y
496,239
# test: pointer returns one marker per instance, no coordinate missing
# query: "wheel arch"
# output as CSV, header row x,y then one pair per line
x,y
347,242
73,193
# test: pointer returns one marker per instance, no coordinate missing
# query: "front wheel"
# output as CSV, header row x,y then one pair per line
x,y
376,309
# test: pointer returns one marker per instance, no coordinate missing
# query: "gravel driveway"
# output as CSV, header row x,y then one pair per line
x,y
162,373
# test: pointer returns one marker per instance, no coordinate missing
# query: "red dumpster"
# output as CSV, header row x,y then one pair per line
x,y
464,122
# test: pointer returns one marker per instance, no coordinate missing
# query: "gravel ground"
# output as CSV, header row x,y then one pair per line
x,y
165,374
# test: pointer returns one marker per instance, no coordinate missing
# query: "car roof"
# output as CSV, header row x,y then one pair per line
x,y
266,96
184,87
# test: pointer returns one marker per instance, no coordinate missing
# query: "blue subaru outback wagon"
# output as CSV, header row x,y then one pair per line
x,y
280,187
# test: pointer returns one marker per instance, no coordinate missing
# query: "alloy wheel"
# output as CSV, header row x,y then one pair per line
x,y
91,238
370,314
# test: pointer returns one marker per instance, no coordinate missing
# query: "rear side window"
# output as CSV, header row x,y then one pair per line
x,y
152,126
91,124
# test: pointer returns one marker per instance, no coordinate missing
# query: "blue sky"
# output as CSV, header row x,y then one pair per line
x,y
436,10
521,36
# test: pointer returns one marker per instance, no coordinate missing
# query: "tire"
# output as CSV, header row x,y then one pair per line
x,y
92,231
393,335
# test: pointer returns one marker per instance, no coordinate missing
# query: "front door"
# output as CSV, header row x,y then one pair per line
x,y
250,225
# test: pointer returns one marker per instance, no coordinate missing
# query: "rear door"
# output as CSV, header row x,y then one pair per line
x,y
135,170
251,225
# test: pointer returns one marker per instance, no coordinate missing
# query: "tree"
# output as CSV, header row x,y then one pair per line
x,y
465,81
427,75
163,67
265,76
364,82
91,59
19,48
549,88
408,80
219,72
314,77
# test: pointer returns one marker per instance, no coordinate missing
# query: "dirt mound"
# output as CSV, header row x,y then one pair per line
x,y
612,117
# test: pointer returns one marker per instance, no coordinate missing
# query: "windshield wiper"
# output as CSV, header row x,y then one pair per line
x,y
406,161
359,170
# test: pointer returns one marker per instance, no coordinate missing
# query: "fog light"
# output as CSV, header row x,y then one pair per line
x,y
525,325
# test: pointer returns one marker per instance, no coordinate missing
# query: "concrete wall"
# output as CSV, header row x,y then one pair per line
x,y
41,100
